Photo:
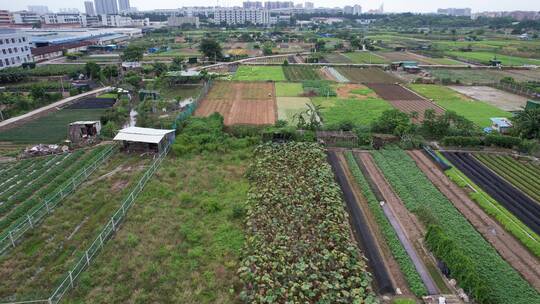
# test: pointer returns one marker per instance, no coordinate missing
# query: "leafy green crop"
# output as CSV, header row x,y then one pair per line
x,y
419,195
298,247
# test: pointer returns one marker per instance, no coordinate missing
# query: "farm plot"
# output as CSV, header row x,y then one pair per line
x,y
93,103
476,111
25,192
417,107
259,73
366,58
360,112
289,108
303,240
49,129
329,73
32,269
393,92
485,57
472,76
249,103
523,207
509,247
301,73
354,91
406,275
336,58
500,99
367,75
181,241
361,228
408,56
289,89
485,274
521,174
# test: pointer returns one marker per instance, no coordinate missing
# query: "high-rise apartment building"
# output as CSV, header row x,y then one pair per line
x,y
89,8
109,7
14,48
123,5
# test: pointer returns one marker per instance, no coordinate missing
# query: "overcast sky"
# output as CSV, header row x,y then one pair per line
x,y
389,5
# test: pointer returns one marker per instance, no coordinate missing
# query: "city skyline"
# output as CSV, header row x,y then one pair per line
x,y
389,5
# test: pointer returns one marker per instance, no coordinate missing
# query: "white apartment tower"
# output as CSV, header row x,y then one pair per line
x,y
89,8
108,7
241,16
123,5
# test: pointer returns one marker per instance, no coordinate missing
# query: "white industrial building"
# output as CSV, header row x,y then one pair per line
x,y
179,21
25,17
241,16
116,21
14,48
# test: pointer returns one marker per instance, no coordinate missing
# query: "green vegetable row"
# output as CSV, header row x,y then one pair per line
x,y
492,207
298,246
400,255
524,177
44,188
504,284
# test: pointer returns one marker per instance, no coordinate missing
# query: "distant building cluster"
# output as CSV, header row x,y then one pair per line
x,y
232,16
456,12
518,15
14,48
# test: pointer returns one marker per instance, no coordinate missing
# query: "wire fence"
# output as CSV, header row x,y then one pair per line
x,y
36,215
516,89
182,116
106,234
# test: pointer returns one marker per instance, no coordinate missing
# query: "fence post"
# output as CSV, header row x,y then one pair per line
x,y
87,258
112,223
47,206
101,240
29,221
70,279
11,238
49,300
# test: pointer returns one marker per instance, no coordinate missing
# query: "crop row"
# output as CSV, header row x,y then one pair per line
x,y
53,181
500,283
524,177
509,221
11,173
18,187
298,247
301,73
523,207
400,255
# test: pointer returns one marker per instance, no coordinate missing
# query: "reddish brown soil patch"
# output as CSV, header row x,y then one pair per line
x,y
418,106
393,92
251,103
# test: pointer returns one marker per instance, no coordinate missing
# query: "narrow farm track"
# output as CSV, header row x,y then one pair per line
x,y
506,245
408,229
361,227
511,198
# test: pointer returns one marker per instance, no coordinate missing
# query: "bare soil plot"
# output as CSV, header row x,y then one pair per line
x,y
241,103
408,56
501,99
416,106
353,90
505,244
367,75
393,92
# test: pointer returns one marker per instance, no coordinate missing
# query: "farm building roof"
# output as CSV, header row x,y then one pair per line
x,y
84,122
501,122
59,47
146,135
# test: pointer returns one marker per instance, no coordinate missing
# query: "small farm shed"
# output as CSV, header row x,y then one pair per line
x,y
80,131
501,125
145,139
531,104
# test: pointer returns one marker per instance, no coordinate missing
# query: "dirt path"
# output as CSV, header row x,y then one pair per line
x,y
408,229
391,264
505,244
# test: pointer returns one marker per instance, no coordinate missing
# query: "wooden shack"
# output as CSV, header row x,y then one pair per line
x,y
82,131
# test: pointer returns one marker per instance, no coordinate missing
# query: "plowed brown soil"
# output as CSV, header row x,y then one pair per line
x,y
241,103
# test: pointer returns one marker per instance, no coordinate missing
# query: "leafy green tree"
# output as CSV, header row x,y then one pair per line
x,y
110,71
159,68
133,53
392,122
527,123
320,45
211,49
109,130
92,70
177,64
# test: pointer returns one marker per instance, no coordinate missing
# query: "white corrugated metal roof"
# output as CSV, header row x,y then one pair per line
x,y
84,122
147,135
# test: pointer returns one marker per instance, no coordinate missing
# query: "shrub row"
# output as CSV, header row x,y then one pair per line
x,y
501,141
298,246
